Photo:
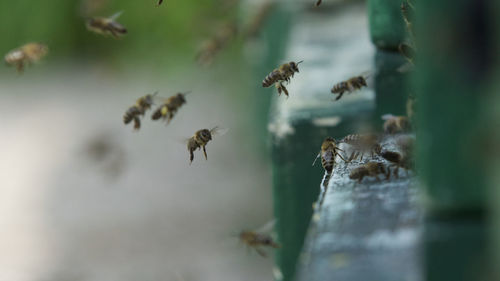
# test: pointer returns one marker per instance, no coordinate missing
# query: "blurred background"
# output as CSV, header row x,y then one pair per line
x,y
83,196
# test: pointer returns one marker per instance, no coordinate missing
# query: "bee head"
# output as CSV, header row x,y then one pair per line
x,y
205,133
295,65
330,139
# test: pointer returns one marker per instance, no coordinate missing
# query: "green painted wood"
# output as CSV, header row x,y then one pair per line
x,y
299,124
365,231
387,28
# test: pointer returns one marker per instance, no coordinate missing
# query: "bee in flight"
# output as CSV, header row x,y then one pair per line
x,y
169,107
318,3
200,140
26,54
396,124
106,26
350,85
159,2
259,238
139,108
280,75
210,48
371,169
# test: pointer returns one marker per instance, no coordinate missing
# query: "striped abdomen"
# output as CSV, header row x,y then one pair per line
x,y
328,160
130,114
271,78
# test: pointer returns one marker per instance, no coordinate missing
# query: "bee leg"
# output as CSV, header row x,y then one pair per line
x,y
278,86
360,178
261,252
137,123
339,96
351,157
205,153
191,156
20,67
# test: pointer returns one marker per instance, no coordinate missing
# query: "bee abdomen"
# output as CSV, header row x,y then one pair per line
x,y
130,114
270,79
327,161
157,114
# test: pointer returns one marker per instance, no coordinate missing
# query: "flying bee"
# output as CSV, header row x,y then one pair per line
x,y
26,54
362,143
159,2
258,20
370,169
139,108
396,124
259,238
200,140
282,74
350,85
169,107
211,47
318,3
106,26
329,150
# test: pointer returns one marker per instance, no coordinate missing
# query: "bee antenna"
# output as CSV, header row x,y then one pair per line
x,y
317,156
300,62
155,93
185,93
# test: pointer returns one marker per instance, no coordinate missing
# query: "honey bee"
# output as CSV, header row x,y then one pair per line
x,y
257,21
396,124
259,238
169,107
280,75
200,140
370,169
159,2
211,47
139,108
26,54
362,144
329,150
350,85
106,26
318,3
404,159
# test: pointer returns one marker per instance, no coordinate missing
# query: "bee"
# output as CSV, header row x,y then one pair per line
x,y
280,75
396,124
106,26
362,144
318,3
169,107
257,21
329,150
211,47
370,169
139,108
26,54
350,85
200,140
159,2
404,159
259,238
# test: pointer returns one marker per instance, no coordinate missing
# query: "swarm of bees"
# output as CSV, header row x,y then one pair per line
x,y
106,26
280,75
26,54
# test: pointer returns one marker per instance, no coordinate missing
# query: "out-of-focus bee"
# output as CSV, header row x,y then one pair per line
x,y
200,140
329,150
396,124
257,21
405,159
211,47
318,3
362,144
350,85
407,10
139,108
169,107
26,54
259,238
106,26
370,169
159,2
411,107
282,74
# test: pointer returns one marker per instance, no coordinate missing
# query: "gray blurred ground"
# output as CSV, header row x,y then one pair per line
x,y
65,215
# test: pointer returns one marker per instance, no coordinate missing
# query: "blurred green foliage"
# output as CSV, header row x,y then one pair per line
x,y
174,29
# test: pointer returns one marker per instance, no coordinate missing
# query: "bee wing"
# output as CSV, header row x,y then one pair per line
x,y
115,16
267,227
216,131
367,74
387,116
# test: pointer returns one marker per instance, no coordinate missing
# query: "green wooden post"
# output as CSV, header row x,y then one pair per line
x,y
455,52
387,28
